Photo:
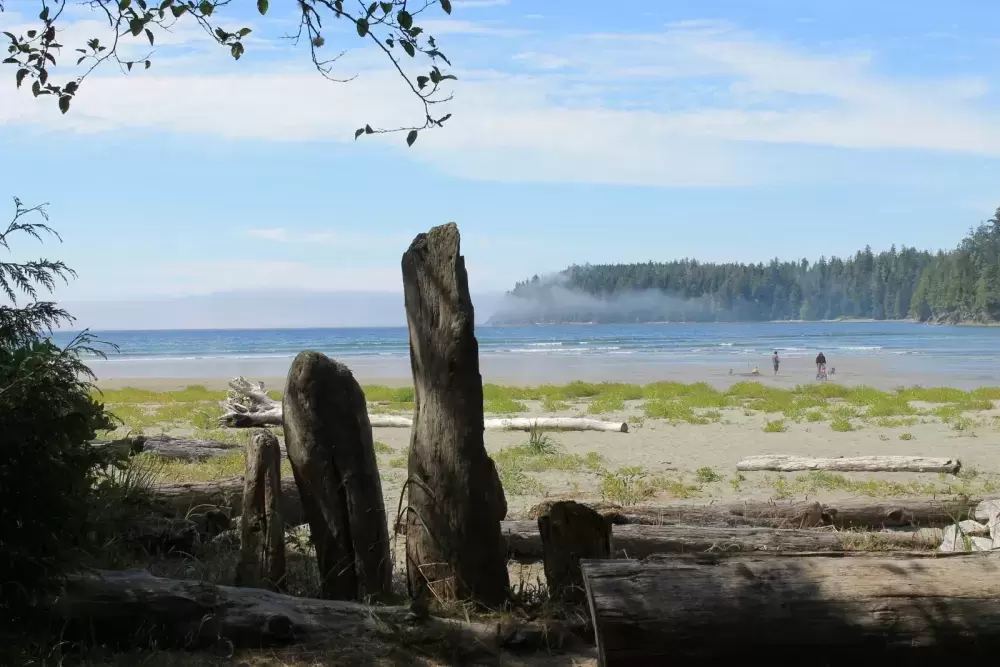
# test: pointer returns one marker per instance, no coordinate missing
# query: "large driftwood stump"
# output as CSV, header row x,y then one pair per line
x,y
571,531
456,502
329,442
262,529
798,609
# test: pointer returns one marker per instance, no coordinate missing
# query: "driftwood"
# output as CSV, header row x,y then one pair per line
x,y
262,529
455,499
134,606
248,405
330,446
782,463
860,513
794,609
524,543
198,499
571,531
168,447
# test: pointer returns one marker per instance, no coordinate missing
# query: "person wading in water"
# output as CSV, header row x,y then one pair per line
x,y
775,362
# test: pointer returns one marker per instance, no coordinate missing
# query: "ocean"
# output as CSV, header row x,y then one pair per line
x,y
966,355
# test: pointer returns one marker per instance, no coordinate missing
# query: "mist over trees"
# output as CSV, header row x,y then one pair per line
x,y
961,285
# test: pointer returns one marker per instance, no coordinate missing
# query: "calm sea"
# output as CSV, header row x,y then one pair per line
x,y
901,346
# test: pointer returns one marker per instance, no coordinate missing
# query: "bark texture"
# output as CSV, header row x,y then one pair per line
x,y
782,463
329,442
262,529
794,609
455,499
569,532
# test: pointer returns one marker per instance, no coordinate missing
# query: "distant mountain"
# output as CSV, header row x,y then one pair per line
x,y
961,285
264,309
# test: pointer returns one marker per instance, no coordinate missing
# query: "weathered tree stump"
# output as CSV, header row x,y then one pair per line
x,y
262,528
456,502
571,531
329,442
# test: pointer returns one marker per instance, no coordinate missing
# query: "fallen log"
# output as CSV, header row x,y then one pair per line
x,y
168,447
783,463
793,609
524,543
198,498
133,607
859,513
249,406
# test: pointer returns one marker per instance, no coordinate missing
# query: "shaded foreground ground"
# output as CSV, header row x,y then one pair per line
x,y
683,444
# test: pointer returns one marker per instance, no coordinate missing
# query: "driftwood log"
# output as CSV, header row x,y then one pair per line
x,y
248,405
126,607
330,446
198,499
782,463
168,447
455,499
794,609
569,532
262,529
524,543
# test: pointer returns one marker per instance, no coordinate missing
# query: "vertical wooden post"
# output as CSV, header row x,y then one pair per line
x,y
329,442
262,529
571,531
456,503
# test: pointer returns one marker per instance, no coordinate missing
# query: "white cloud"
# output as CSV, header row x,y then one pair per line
x,y
206,277
459,27
343,239
545,61
615,119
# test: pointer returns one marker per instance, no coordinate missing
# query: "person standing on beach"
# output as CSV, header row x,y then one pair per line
x,y
820,361
775,361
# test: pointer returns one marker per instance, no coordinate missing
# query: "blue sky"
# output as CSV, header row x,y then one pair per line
x,y
581,132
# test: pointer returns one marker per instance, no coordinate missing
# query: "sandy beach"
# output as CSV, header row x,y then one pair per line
x,y
691,456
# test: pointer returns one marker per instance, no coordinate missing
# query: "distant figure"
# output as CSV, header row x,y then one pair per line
x,y
775,362
820,361
755,371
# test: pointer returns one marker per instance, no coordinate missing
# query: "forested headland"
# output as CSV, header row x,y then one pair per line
x,y
955,286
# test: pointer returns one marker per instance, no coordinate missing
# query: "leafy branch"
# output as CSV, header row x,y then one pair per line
x,y
391,25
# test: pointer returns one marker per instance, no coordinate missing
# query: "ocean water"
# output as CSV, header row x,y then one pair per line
x,y
971,353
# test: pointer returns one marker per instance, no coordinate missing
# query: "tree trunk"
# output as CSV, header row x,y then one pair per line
x,y
132,607
570,531
793,609
262,529
524,543
455,499
783,463
329,443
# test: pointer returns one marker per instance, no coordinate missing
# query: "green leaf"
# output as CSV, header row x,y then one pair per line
x,y
206,7
44,16
10,36
177,10
371,8
36,88
82,58
369,130
149,36
148,64
236,50
362,27
166,3
10,61
421,82
408,47
411,137
72,87
386,7
446,6
262,6
21,73
358,132
123,4
135,27
128,65
244,32
64,103
404,19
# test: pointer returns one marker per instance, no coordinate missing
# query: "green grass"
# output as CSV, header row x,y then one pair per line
x,y
673,411
503,406
605,404
707,475
776,426
552,404
376,393
934,394
896,422
906,436
626,486
841,425
382,448
815,416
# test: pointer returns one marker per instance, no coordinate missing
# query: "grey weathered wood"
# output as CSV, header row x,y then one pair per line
x,y
329,442
786,463
169,447
794,609
262,528
197,499
455,499
639,541
570,531
141,609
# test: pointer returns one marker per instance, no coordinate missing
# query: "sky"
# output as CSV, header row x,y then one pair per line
x,y
581,131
